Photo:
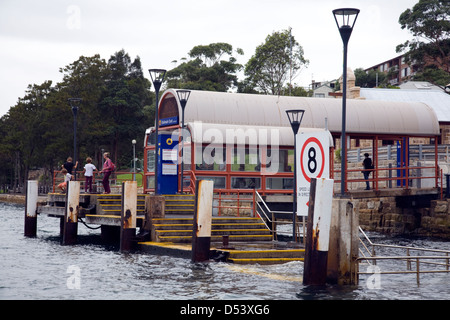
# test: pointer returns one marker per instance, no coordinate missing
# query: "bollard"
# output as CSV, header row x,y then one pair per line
x,y
201,237
128,215
318,231
31,209
70,227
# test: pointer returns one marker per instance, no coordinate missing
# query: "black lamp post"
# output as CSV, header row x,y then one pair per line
x,y
157,76
345,21
295,119
183,96
75,103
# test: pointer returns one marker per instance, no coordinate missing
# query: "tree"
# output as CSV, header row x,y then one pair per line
x,y
429,23
23,140
207,69
370,79
116,108
275,63
84,78
126,94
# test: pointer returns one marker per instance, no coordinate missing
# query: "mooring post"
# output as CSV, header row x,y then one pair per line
x,y
201,237
344,242
128,215
31,209
318,231
70,227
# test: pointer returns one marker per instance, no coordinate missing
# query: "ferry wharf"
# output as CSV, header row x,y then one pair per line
x,y
166,227
171,225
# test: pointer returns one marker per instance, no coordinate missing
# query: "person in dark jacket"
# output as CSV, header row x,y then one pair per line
x,y
368,167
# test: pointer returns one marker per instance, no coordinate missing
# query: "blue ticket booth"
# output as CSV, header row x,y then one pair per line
x,y
167,164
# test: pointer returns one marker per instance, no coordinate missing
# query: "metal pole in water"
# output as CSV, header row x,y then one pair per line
x,y
70,227
318,231
201,237
128,215
30,209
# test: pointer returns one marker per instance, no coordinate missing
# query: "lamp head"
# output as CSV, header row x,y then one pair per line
x,y
157,76
183,96
345,21
295,117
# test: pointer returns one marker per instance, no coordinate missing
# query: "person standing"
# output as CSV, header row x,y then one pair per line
x,y
69,165
107,169
89,169
368,167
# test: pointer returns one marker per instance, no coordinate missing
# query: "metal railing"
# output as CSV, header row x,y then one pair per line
x,y
235,202
116,179
268,216
417,259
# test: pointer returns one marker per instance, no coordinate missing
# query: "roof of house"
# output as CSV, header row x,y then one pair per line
x,y
438,100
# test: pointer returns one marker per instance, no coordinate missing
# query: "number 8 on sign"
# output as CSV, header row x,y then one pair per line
x,y
312,159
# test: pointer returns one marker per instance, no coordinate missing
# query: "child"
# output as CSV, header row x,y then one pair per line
x,y
88,174
67,178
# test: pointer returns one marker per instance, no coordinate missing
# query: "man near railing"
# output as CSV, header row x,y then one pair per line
x,y
368,167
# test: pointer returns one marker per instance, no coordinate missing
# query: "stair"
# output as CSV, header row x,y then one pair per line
x,y
179,230
111,204
264,256
179,204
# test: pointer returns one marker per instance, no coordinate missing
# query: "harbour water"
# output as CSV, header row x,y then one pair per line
x,y
41,269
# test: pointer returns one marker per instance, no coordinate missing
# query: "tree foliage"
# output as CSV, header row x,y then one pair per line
x,y
429,51
370,79
207,69
275,63
38,131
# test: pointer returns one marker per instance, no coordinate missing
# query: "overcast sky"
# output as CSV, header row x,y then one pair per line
x,y
39,37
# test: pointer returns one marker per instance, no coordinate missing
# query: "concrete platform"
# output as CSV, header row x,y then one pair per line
x,y
239,253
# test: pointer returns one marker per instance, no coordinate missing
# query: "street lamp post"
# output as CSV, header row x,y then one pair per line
x,y
295,118
183,96
75,103
345,21
134,159
157,76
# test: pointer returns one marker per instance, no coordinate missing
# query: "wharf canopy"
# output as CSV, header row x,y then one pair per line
x,y
363,117
206,110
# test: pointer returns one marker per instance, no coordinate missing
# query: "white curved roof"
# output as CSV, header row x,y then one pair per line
x,y
363,116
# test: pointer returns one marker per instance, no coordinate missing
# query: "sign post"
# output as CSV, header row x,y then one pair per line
x,y
313,161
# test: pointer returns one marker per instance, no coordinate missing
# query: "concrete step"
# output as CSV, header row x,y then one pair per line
x,y
111,204
264,261
237,229
275,256
217,238
179,204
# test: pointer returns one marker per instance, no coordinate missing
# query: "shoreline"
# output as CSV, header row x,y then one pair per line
x,y
18,198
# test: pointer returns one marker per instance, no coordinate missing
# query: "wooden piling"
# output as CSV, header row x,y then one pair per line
x,y
154,208
31,209
128,215
201,237
344,241
70,227
318,232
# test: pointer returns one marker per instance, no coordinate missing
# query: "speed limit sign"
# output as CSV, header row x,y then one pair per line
x,y
312,161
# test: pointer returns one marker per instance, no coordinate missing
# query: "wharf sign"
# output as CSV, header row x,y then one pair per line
x,y
312,161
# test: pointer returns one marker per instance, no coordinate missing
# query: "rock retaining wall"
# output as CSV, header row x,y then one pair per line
x,y
385,215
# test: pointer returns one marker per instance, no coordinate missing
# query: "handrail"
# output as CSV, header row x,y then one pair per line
x,y
405,179
408,258
226,195
58,178
270,216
